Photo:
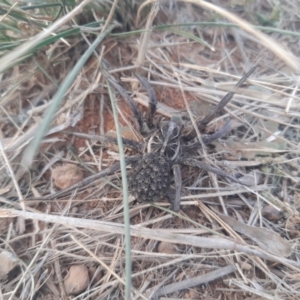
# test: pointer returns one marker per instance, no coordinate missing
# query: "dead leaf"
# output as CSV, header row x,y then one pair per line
x,y
268,240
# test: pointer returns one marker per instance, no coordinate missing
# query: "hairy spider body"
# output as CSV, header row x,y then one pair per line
x,y
168,148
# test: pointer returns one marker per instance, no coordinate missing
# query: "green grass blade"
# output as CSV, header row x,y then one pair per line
x,y
225,24
203,24
33,146
41,6
7,60
125,197
192,37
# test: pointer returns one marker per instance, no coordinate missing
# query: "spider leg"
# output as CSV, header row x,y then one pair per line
x,y
208,138
152,99
130,102
201,165
105,139
89,180
202,124
178,182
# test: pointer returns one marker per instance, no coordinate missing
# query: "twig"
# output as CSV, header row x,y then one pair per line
x,y
188,283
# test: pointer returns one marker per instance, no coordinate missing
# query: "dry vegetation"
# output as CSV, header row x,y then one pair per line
x,y
228,241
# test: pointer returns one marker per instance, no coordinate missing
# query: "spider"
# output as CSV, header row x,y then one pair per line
x,y
168,145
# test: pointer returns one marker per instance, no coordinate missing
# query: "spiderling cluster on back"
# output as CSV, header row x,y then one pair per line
x,y
150,177
167,146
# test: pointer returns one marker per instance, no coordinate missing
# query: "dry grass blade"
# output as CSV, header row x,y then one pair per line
x,y
208,168
58,97
276,48
128,100
146,35
128,266
105,266
105,140
266,239
191,282
14,55
147,233
62,218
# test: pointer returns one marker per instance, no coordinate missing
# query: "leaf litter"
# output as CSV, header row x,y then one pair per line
x,y
251,248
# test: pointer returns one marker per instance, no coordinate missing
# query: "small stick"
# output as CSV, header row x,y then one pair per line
x,y
188,283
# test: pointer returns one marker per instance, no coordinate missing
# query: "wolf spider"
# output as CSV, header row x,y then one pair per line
x,y
168,145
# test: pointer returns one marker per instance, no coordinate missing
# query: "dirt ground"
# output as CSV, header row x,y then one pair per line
x,y
62,230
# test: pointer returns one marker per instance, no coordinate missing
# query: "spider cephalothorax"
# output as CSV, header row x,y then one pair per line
x,y
167,148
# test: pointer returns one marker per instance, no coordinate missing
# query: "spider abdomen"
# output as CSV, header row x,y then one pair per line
x,y
150,177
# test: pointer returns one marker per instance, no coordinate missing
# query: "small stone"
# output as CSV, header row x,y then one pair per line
x,y
7,263
66,176
245,266
292,226
271,213
77,279
191,294
166,247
